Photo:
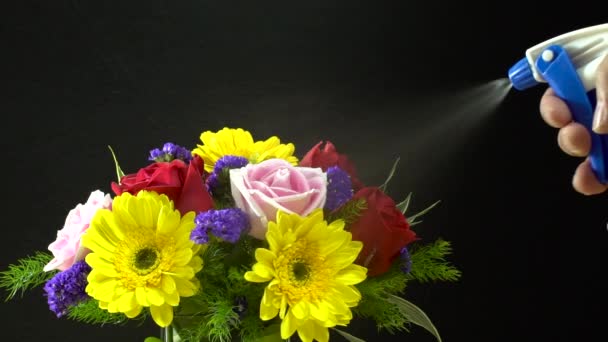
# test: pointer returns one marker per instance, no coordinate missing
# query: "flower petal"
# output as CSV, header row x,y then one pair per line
x,y
264,256
255,278
267,310
154,296
167,284
351,275
288,326
140,296
184,287
162,315
127,302
182,257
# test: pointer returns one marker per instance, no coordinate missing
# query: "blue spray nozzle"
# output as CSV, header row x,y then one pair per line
x,y
521,75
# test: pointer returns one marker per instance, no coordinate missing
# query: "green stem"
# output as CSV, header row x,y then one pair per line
x,y
166,334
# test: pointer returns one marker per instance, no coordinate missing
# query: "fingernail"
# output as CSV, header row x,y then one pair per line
x,y
600,118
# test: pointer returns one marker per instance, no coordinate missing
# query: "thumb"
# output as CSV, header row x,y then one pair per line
x,y
600,117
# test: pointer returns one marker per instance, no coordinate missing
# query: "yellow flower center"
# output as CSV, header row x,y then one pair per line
x,y
142,257
302,272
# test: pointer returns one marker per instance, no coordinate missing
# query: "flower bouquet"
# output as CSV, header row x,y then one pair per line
x,y
238,239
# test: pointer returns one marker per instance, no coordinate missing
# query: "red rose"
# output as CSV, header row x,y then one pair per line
x,y
328,157
182,183
383,230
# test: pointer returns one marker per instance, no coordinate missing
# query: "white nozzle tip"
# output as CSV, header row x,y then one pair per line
x,y
548,55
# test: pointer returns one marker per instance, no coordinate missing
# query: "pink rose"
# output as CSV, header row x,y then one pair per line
x,y
66,249
262,189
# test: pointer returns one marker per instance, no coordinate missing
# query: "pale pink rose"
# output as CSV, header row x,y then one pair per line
x,y
262,189
66,249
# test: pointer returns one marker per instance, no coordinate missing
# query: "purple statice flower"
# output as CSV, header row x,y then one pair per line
x,y
225,162
226,224
67,288
339,188
169,152
406,260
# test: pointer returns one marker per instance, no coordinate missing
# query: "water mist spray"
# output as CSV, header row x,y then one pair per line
x,y
568,63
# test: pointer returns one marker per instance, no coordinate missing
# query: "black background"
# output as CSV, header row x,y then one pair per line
x,y
369,76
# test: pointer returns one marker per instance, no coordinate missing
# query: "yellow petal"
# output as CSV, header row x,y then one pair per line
x,y
101,265
255,278
103,233
127,302
267,309
288,326
351,275
336,304
319,311
300,310
186,224
185,288
283,307
345,255
320,333
142,211
172,298
113,307
154,296
332,242
120,212
273,236
167,284
162,315
196,263
306,331
168,221
134,313
349,294
140,296
265,256
263,270
97,277
182,257
183,272
103,290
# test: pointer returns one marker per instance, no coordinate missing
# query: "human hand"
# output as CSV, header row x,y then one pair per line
x,y
573,138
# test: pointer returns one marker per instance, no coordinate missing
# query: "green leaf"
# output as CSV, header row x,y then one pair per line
x,y
89,312
271,334
405,203
348,336
27,274
412,219
119,172
429,262
152,339
414,314
390,176
349,212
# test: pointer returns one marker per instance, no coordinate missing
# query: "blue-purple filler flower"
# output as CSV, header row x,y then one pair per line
x,y
225,162
169,152
67,288
339,188
240,306
226,224
406,260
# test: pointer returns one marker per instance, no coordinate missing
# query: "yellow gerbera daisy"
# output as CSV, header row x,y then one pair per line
x,y
238,142
310,267
142,255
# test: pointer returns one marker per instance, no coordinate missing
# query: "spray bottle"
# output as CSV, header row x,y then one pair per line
x,y
568,63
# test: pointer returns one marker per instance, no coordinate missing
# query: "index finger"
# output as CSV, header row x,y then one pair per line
x,y
554,110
